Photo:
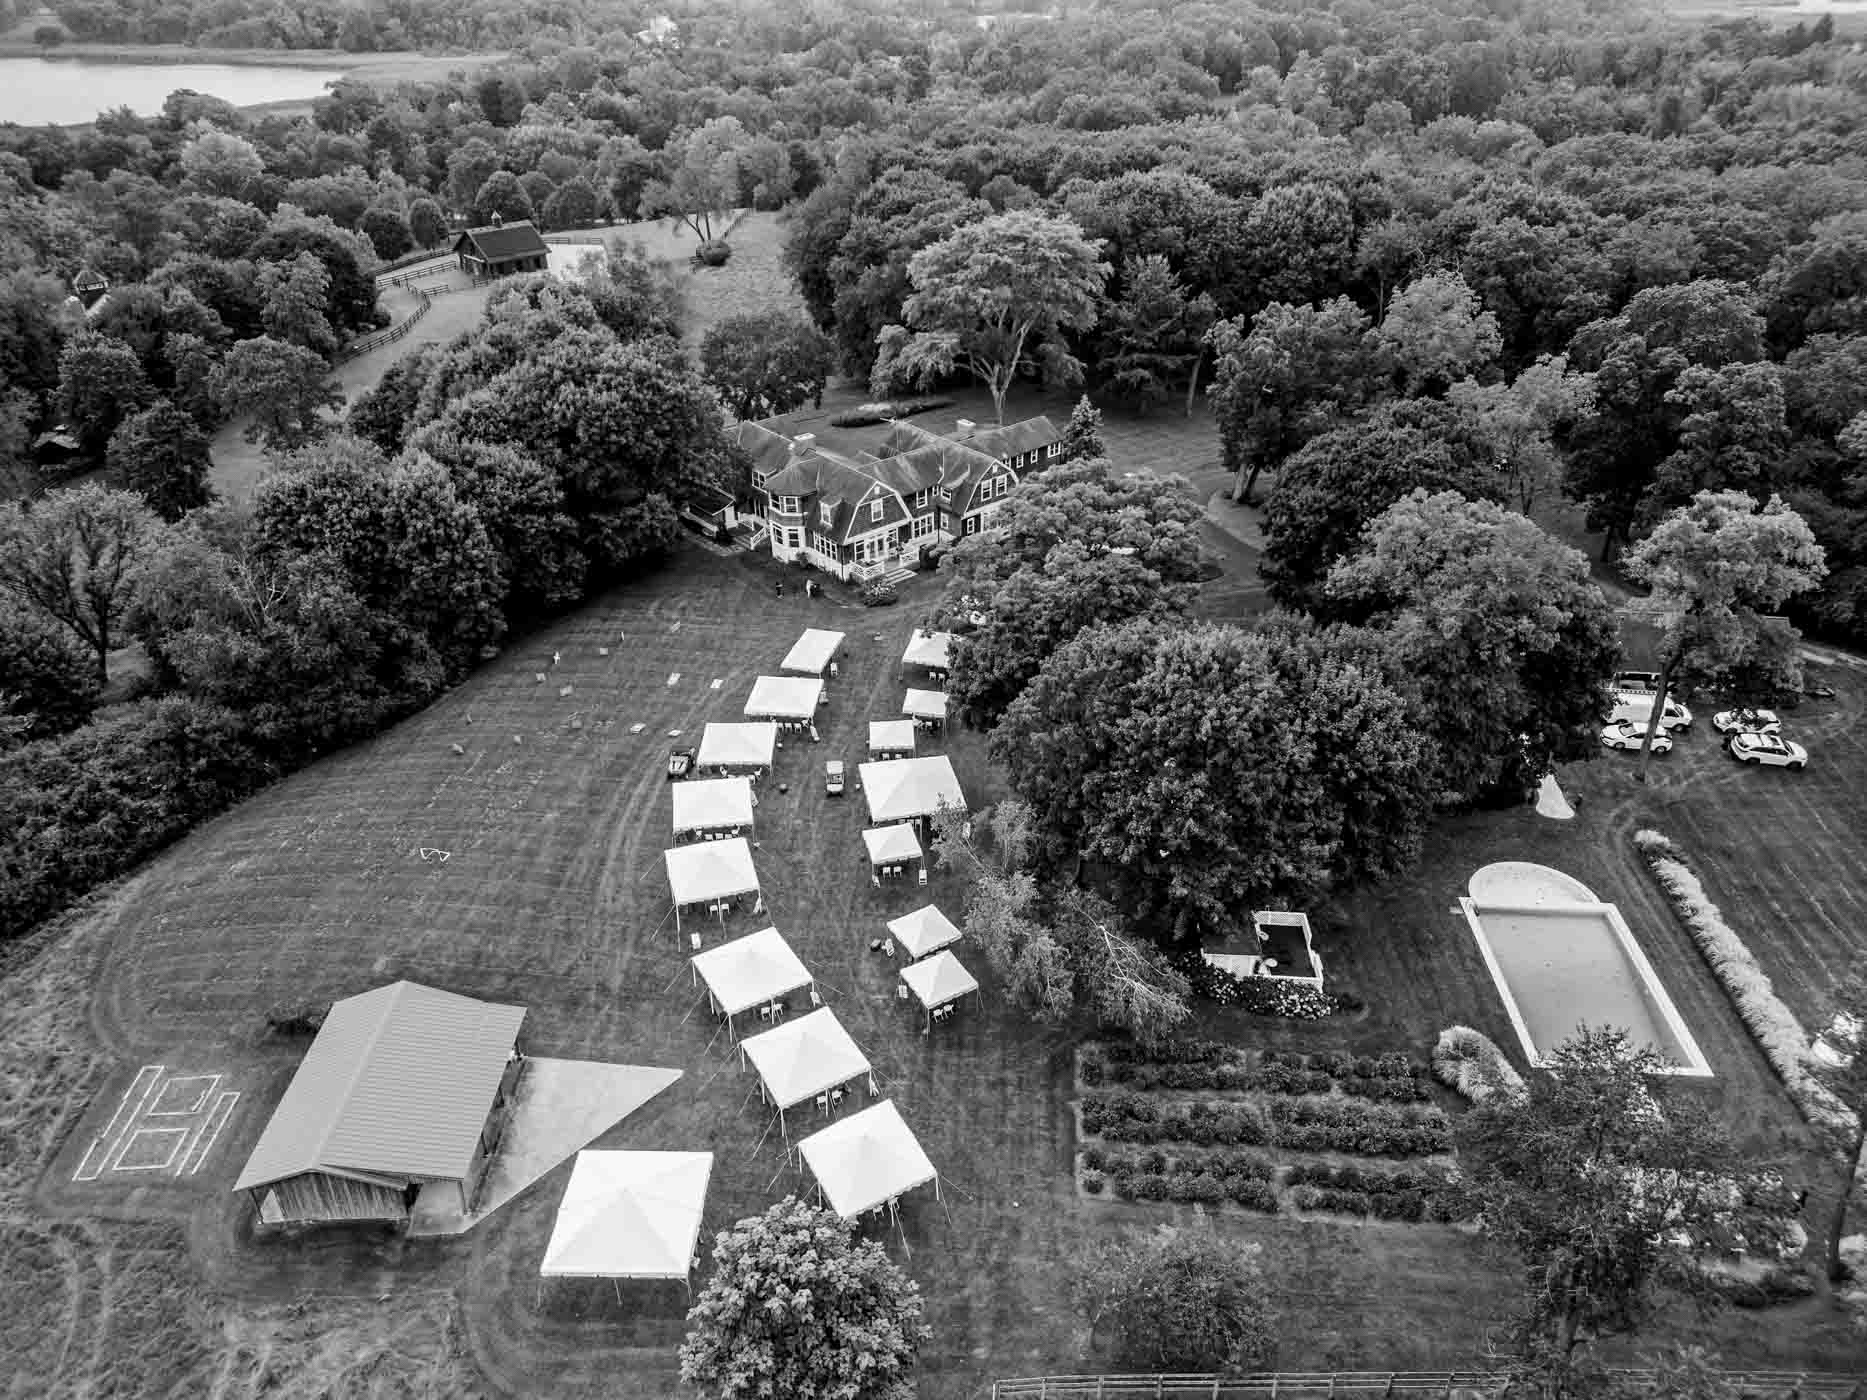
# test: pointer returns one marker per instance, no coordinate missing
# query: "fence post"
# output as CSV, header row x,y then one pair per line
x,y
1332,1376
1448,1385
1388,1394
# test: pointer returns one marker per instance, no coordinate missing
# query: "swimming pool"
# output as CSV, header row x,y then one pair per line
x,y
1562,959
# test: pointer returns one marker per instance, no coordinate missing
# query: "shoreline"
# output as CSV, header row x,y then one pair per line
x,y
407,66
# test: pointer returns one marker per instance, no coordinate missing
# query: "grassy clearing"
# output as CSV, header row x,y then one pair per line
x,y
753,281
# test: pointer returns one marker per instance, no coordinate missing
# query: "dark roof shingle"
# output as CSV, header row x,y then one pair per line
x,y
499,243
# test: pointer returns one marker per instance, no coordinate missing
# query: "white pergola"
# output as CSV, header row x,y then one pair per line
x,y
711,805
932,650
629,1215
928,706
891,847
867,1161
711,874
909,789
891,738
925,930
737,746
813,653
804,1059
938,981
751,971
786,699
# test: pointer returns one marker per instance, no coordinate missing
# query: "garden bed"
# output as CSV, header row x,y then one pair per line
x,y
1204,1065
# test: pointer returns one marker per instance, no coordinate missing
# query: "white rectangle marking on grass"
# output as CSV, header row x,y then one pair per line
x,y
209,1133
138,1091
154,1149
195,1089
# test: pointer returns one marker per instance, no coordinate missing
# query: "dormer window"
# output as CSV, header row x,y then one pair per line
x,y
876,508
827,513
921,498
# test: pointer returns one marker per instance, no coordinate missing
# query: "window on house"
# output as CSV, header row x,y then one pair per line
x,y
823,545
1054,450
791,537
789,505
972,525
875,510
946,495
921,497
826,513
944,520
923,526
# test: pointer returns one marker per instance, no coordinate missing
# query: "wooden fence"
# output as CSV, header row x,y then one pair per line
x,y
1323,1385
389,336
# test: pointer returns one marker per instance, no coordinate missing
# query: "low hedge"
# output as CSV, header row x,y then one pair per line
x,y
1470,1063
1300,1124
869,414
1197,1065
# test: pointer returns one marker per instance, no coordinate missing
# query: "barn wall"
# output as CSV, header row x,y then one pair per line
x,y
314,1196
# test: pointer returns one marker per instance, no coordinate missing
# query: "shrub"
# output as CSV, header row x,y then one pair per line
x,y
1094,1182
1150,1188
1252,1194
1468,1061
1093,1158
878,594
715,252
1773,1025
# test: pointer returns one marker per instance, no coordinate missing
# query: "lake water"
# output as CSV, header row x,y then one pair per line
x,y
63,91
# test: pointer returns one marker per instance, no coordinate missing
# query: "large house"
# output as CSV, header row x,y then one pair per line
x,y
863,515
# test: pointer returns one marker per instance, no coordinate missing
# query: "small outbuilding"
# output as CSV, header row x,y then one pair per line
x,y
502,250
814,653
406,1088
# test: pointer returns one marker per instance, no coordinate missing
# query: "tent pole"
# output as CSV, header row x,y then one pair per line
x,y
616,1284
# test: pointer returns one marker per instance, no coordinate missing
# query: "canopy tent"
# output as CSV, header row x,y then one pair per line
x,y
737,746
709,874
867,1160
629,1215
760,967
925,705
804,1058
933,650
924,931
891,738
713,804
792,698
938,981
892,845
901,789
814,652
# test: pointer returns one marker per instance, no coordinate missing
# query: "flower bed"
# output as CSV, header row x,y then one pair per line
x,y
1299,1124
1211,1065
1266,996
1771,1023
1212,1179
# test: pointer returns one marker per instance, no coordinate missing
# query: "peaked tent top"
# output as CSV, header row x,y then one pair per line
x,y
924,704
714,870
705,802
737,745
891,736
866,1159
893,842
629,1215
937,980
802,1058
902,788
750,970
923,931
934,650
813,653
784,697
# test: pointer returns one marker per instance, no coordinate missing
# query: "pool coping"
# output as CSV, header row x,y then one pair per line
x,y
1696,1066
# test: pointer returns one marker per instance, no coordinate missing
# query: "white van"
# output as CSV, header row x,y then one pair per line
x,y
1638,709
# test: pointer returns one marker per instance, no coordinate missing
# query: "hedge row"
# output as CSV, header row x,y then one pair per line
x,y
868,414
1202,1065
1306,1125
1444,1206
1160,1164
1206,1188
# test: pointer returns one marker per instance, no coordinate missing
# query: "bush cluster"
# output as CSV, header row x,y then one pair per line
x,y
869,414
1469,1062
1772,1024
1301,1124
1264,996
1213,1065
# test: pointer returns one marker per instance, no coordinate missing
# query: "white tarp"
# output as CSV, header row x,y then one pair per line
x,y
784,697
937,980
813,653
629,1215
925,704
713,870
925,930
737,746
930,649
899,789
803,1058
757,968
891,736
866,1160
889,845
703,804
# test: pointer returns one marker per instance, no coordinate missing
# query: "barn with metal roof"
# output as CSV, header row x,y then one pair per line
x,y
404,1086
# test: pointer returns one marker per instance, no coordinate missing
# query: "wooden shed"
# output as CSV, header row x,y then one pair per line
x,y
404,1087
501,249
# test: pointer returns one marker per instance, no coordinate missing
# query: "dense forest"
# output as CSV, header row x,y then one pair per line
x,y
1517,252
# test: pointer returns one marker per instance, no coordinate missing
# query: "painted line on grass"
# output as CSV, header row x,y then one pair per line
x,y
146,1079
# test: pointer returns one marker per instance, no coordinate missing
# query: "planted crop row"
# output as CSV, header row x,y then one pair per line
x,y
1300,1124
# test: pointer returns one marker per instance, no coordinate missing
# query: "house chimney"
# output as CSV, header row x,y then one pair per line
x,y
802,443
966,425
497,220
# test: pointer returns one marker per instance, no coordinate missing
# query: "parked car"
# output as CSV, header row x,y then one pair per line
x,y
1772,749
1746,721
1629,736
835,777
1818,692
681,763
1637,682
1635,708
1837,1046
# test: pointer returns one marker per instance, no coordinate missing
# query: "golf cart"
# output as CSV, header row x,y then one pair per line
x,y
834,777
681,762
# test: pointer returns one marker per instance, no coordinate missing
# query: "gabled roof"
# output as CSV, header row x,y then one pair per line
x,y
397,1084
503,242
769,451
1015,439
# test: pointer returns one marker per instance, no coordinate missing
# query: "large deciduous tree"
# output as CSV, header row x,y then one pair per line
x,y
703,187
295,301
1603,1196
1436,331
1493,628
1522,419
1179,1299
285,388
765,363
50,680
162,455
796,1307
72,557
998,298
1153,337
1285,376
100,383
1201,771
1717,569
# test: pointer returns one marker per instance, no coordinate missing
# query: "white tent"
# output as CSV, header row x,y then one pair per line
x,y
924,931
814,652
900,789
933,650
747,971
629,1215
938,980
893,737
867,1160
804,1058
787,698
891,843
925,704
712,804
736,746
716,871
